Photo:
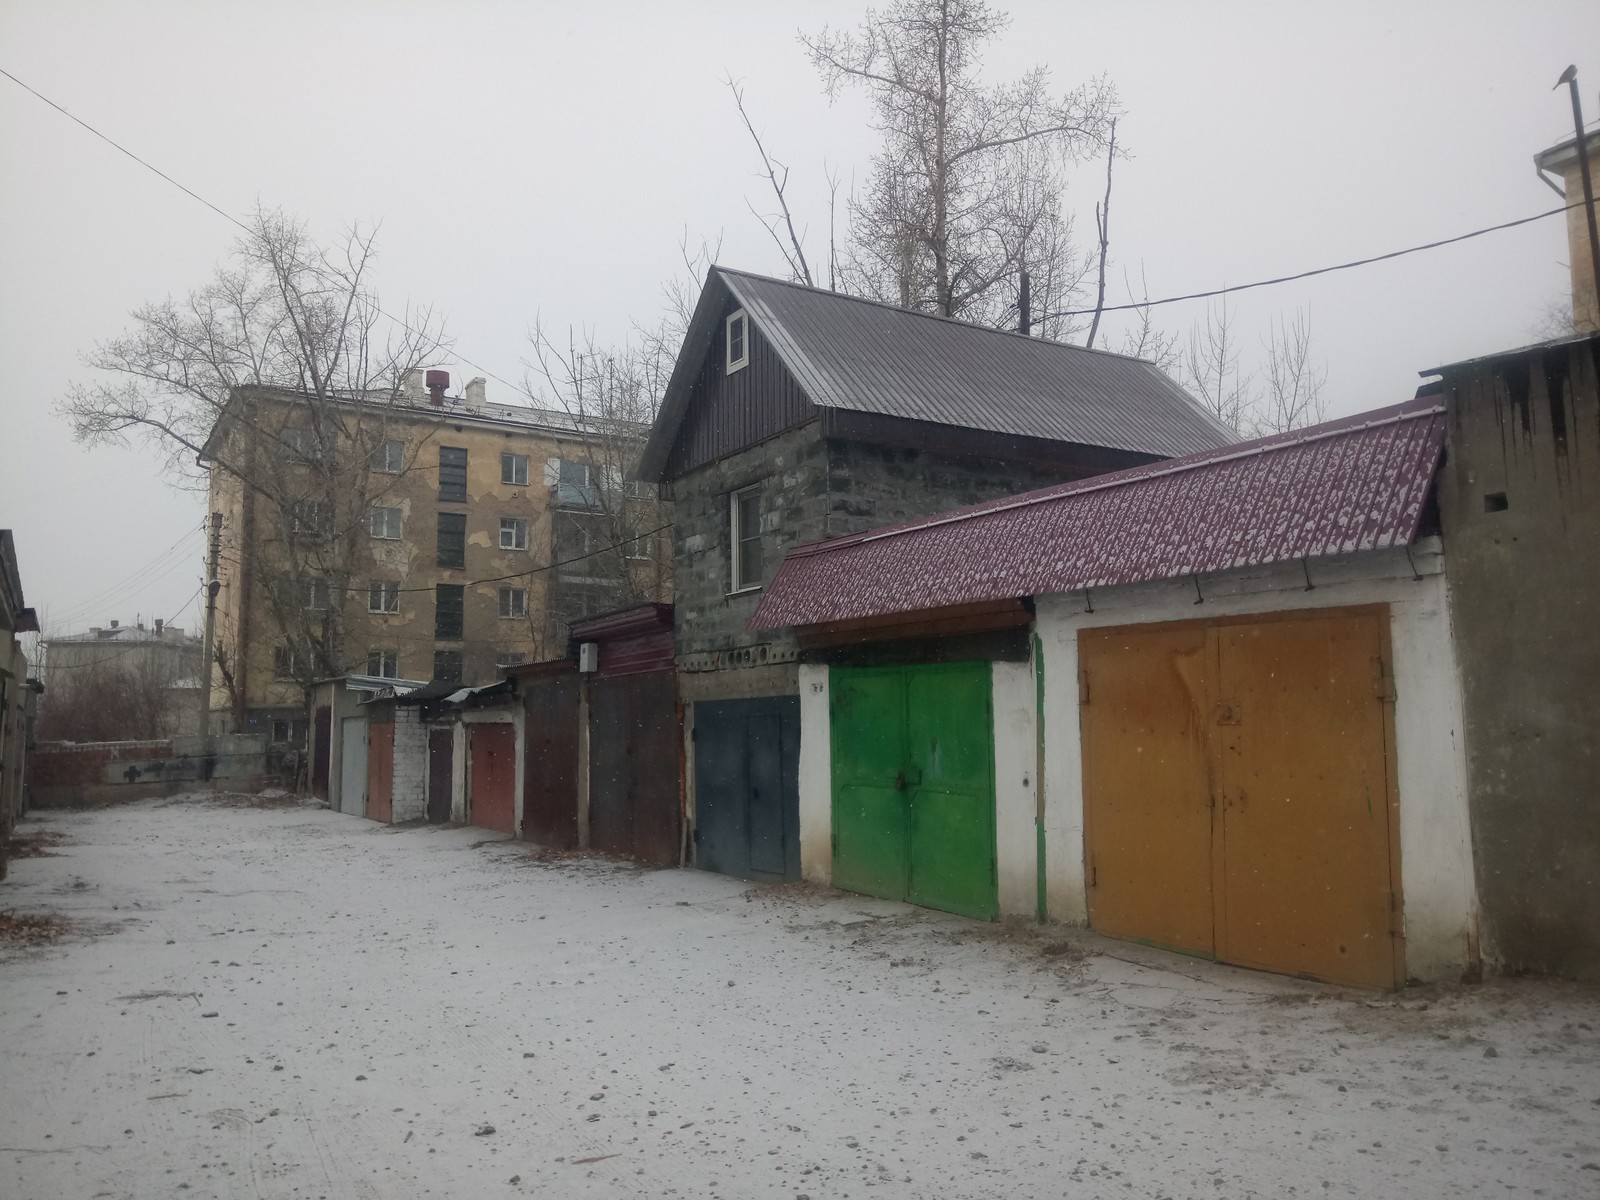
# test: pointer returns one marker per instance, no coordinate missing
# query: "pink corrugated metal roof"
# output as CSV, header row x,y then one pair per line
x,y
1358,483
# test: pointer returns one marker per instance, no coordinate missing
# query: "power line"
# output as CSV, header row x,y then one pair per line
x,y
1344,266
190,192
136,581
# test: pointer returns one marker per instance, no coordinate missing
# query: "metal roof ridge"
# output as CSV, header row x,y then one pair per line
x,y
917,312
1103,483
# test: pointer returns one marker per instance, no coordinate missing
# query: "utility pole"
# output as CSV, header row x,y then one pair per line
x,y
213,554
1570,78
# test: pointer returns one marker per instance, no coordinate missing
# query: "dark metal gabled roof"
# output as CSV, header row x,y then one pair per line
x,y
863,356
1355,484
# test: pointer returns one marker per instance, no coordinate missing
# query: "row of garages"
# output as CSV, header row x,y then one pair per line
x,y
1215,705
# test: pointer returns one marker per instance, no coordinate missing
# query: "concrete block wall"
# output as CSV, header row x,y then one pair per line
x,y
811,489
410,801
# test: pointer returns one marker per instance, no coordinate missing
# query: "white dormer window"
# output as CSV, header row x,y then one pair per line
x,y
738,341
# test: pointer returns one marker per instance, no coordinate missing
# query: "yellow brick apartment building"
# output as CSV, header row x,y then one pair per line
x,y
414,535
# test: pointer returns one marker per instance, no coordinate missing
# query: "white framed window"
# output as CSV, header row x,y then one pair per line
x,y
737,327
386,523
383,596
308,516
514,469
285,663
289,733
315,593
513,659
513,533
744,523
385,664
389,456
639,549
513,602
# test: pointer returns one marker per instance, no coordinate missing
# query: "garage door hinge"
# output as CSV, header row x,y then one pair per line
x,y
1383,686
1094,875
1083,687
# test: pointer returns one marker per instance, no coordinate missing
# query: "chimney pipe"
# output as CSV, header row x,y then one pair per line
x,y
113,624
437,381
1025,307
160,621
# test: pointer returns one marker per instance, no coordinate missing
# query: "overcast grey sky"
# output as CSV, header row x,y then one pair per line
x,y
543,160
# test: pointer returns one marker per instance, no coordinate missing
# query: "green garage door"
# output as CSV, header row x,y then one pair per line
x,y
913,785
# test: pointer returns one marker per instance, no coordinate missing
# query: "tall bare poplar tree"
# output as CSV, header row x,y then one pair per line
x,y
966,191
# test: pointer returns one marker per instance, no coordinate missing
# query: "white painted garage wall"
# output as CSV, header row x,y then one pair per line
x,y
1435,837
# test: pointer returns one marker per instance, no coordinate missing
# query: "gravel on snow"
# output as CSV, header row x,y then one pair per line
x,y
288,1002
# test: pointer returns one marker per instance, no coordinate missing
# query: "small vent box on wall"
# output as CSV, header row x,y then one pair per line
x,y
589,657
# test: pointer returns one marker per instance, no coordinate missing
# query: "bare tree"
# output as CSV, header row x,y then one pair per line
x,y
966,189
1292,380
1143,339
791,244
1211,369
610,548
278,376
1102,225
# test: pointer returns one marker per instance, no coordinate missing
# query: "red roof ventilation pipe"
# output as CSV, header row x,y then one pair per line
x,y
437,381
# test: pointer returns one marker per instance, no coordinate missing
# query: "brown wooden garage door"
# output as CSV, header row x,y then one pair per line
x,y
380,771
1238,796
492,789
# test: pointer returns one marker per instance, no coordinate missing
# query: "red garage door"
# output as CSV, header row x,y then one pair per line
x,y
493,786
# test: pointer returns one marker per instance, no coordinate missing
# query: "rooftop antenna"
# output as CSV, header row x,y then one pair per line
x,y
1570,78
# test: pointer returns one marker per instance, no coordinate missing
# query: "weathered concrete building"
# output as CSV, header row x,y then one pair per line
x,y
1519,501
795,414
17,692
419,535
158,665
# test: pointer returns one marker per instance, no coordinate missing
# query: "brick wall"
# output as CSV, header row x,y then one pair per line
x,y
85,774
410,766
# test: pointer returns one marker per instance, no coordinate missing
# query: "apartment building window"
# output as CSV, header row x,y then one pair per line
x,y
386,523
385,664
513,659
513,533
452,540
639,547
290,733
308,516
302,445
389,456
452,473
514,469
383,596
447,666
449,601
745,543
285,663
513,602
576,483
314,594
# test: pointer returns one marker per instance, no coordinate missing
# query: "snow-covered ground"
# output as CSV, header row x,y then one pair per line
x,y
293,1003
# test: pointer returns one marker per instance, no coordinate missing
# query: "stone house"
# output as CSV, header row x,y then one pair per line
x,y
414,535
795,414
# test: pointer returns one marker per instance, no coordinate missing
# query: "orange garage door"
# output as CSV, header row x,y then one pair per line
x,y
1237,794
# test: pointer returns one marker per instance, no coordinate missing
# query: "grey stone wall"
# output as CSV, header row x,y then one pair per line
x,y
810,489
